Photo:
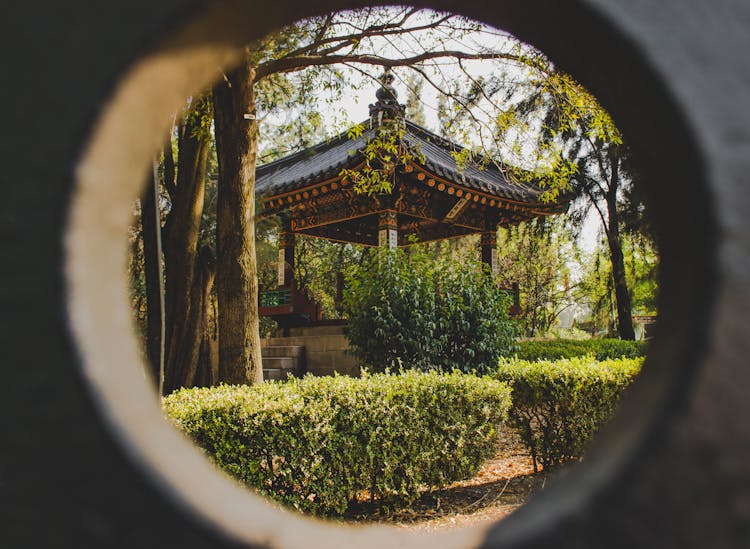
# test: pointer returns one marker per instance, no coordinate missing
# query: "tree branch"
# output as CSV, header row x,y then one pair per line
x,y
595,203
362,34
294,64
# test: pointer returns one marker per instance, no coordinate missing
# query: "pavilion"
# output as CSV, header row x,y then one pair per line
x,y
432,198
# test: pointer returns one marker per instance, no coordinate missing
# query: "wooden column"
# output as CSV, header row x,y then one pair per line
x,y
286,253
388,230
489,250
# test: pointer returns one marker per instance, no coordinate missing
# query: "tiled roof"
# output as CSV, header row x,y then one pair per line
x,y
318,163
325,160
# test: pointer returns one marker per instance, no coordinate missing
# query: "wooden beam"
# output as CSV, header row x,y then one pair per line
x,y
456,210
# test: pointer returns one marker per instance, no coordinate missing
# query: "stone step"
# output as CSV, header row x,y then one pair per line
x,y
324,354
272,351
320,330
274,374
310,343
280,363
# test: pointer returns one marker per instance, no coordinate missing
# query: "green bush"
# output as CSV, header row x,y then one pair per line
x,y
322,444
558,406
412,311
601,349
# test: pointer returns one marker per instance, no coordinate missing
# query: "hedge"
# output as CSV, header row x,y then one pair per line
x,y
559,405
601,349
324,444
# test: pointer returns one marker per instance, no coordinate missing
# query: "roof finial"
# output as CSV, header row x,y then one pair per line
x,y
387,106
386,92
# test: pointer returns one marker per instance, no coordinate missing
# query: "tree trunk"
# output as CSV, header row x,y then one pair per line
x,y
205,374
181,247
151,259
189,366
236,277
614,240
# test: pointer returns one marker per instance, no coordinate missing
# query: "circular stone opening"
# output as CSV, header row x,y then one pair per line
x,y
109,177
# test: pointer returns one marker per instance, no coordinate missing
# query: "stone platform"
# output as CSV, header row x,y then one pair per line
x,y
319,349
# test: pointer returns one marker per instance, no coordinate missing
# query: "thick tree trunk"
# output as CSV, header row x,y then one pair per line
x,y
181,249
151,260
205,375
189,368
236,278
614,240
208,372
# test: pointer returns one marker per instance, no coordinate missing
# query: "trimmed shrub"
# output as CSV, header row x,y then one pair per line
x,y
601,349
323,444
412,311
558,406
390,304
473,319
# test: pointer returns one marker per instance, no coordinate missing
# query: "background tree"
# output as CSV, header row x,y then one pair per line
x,y
551,130
319,269
601,177
188,267
541,257
188,253
597,285
414,106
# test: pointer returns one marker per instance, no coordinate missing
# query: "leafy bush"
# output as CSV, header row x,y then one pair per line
x,y
473,321
601,349
319,444
558,406
390,302
411,311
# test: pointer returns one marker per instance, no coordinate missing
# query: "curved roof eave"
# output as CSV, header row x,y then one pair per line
x,y
436,154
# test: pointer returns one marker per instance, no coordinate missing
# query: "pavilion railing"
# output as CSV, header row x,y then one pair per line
x,y
289,306
514,293
275,298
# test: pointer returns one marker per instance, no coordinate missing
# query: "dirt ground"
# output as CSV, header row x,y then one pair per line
x,y
502,485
